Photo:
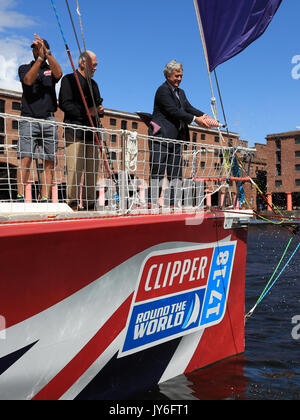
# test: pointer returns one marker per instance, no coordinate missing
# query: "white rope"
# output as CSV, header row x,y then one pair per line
x,y
131,156
81,25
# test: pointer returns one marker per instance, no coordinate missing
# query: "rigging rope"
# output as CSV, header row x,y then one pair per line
x,y
89,81
214,107
106,155
81,25
73,25
88,74
277,211
270,284
286,265
292,229
74,70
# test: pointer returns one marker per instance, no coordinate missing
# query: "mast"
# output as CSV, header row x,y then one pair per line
x,y
213,98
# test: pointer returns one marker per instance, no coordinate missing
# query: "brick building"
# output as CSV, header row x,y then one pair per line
x,y
283,168
10,103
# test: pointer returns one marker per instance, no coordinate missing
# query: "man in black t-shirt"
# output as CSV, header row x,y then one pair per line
x,y
82,150
38,79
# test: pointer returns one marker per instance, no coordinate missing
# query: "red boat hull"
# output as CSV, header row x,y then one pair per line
x,y
103,308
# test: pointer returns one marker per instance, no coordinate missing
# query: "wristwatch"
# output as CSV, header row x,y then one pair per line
x,y
48,52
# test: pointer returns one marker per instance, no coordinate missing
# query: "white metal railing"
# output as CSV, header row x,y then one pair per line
x,y
114,171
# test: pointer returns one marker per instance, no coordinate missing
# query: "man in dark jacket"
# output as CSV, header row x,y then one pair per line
x,y
171,117
82,150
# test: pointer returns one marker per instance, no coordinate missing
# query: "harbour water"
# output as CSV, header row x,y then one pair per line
x,y
270,367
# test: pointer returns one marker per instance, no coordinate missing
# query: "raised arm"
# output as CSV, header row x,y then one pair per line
x,y
41,53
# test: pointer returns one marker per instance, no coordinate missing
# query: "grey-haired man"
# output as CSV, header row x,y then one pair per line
x,y
170,119
82,150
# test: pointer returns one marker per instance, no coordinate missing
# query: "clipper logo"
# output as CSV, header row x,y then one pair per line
x,y
179,292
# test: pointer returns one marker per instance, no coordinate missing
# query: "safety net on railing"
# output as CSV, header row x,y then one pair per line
x,y
113,171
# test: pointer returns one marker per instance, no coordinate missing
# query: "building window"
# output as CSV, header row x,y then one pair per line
x,y
2,106
202,164
278,144
123,125
297,154
230,143
217,140
297,182
278,170
135,125
278,157
113,138
186,163
113,122
15,125
1,145
2,125
202,136
297,168
195,137
278,184
297,140
16,106
113,155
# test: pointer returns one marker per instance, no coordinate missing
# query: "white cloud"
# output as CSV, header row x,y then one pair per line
x,y
10,18
13,53
14,50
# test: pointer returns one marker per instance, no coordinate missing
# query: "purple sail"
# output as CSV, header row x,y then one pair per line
x,y
229,26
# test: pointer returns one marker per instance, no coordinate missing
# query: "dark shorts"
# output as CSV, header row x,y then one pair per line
x,y
33,135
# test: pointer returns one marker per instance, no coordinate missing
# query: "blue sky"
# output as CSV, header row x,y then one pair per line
x,y
134,39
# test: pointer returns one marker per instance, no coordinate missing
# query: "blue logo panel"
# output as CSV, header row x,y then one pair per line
x,y
154,321
179,292
218,285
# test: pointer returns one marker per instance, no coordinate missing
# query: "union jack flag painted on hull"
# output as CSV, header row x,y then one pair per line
x,y
123,305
